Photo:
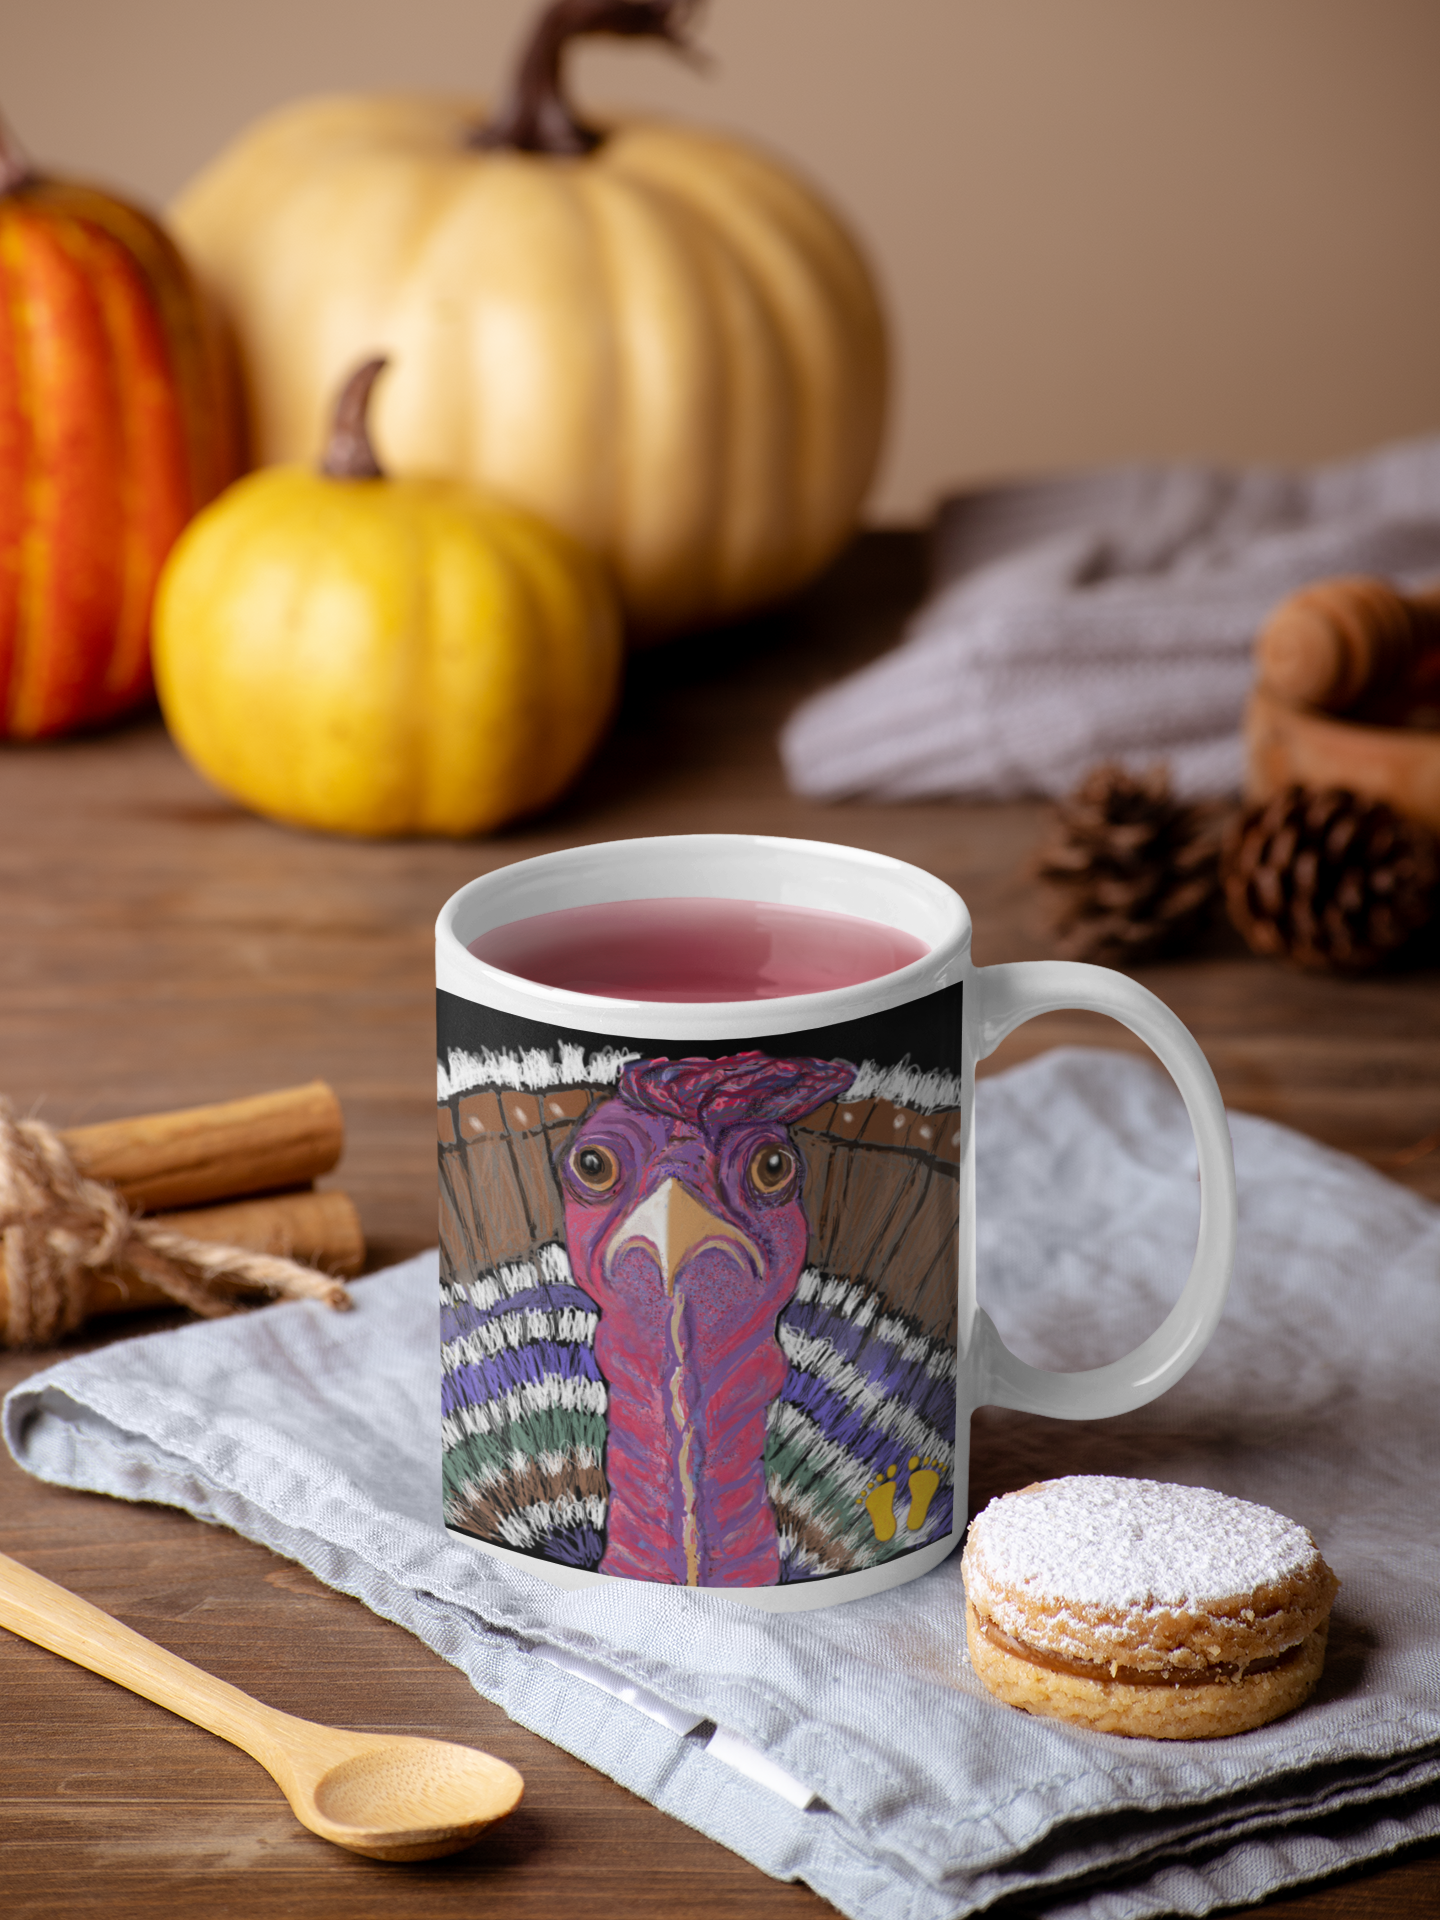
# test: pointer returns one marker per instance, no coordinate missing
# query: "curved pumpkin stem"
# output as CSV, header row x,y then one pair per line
x,y
15,167
537,118
348,452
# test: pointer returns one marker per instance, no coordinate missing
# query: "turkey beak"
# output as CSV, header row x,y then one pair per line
x,y
674,1225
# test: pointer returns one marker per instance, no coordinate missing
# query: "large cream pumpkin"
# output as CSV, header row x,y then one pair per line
x,y
668,346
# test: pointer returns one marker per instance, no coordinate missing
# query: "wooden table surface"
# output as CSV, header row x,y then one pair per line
x,y
162,948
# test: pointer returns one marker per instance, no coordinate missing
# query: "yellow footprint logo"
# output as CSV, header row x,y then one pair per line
x,y
879,1503
924,1480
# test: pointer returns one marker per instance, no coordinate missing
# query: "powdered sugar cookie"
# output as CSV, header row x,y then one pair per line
x,y
1143,1608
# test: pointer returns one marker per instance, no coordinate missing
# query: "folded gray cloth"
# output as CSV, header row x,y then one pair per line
x,y
1110,615
853,1747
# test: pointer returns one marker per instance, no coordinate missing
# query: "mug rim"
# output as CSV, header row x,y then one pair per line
x,y
762,866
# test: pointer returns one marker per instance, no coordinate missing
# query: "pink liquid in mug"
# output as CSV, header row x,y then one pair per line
x,y
697,949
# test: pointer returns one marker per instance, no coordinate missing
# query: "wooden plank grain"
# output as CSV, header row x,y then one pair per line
x,y
162,948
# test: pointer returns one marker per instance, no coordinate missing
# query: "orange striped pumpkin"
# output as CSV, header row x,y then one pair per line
x,y
117,421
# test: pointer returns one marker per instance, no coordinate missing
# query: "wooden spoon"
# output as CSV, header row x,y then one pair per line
x,y
381,1794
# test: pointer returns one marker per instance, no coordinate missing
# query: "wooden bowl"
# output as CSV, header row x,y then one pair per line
x,y
1289,745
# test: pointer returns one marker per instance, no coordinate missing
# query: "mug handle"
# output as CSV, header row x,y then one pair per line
x,y
1011,994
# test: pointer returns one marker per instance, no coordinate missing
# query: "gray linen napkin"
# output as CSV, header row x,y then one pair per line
x,y
319,1435
1107,615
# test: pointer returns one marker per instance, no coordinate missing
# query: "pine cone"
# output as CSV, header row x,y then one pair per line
x,y
1135,872
1330,879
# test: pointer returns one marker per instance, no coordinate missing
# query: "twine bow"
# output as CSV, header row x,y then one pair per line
x,y
58,1228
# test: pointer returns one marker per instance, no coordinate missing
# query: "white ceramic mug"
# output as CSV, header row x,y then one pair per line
x,y
788,1419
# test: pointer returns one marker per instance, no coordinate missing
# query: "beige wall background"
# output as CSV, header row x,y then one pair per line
x,y
1106,228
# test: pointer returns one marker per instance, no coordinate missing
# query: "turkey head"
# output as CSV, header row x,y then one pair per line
x,y
684,1225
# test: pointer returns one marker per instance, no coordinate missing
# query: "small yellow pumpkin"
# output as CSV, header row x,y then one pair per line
x,y
659,339
378,656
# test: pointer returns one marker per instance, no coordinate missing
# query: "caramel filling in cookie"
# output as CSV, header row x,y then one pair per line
x,y
1214,1675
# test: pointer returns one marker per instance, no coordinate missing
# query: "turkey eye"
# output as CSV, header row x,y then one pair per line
x,y
771,1168
595,1167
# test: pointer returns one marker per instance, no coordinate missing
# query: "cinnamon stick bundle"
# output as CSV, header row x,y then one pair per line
x,y
212,1174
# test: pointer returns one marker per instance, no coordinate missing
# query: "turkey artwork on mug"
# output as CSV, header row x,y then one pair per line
x,y
699,1311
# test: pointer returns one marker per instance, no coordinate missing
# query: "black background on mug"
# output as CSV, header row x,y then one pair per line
x,y
927,1032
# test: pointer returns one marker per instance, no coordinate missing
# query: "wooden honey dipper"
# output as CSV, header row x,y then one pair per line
x,y
1350,640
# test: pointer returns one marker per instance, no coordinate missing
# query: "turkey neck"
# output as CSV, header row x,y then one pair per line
x,y
690,1359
